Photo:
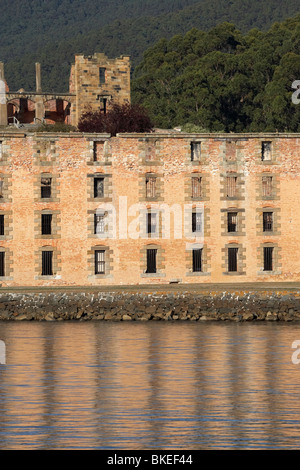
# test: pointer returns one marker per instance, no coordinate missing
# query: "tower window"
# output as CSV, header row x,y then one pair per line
x,y
102,77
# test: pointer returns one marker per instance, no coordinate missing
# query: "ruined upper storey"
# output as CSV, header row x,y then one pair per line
x,y
95,82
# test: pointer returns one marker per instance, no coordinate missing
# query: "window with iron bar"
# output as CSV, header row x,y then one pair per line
x,y
46,187
231,186
99,223
47,261
196,186
232,221
232,259
267,183
197,260
46,223
268,258
151,260
267,221
150,186
100,262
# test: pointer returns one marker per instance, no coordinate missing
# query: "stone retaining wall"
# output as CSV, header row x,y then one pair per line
x,y
143,306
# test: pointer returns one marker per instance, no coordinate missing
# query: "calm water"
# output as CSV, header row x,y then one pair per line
x,y
149,386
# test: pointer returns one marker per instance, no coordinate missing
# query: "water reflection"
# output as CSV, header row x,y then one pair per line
x,y
146,386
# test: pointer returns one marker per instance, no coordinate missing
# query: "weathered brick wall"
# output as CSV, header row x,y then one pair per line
x,y
72,162
90,89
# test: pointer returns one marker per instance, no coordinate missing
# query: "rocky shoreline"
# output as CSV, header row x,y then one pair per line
x,y
154,306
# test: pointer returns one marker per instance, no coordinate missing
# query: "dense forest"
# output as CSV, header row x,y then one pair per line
x,y
52,31
223,80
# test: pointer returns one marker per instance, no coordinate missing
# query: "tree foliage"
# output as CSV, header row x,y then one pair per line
x,y
53,31
223,80
120,118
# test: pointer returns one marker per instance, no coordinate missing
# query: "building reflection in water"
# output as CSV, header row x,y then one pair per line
x,y
149,385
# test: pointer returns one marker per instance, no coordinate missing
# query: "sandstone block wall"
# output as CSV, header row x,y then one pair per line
x,y
98,81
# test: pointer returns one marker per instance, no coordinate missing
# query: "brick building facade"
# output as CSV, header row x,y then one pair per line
x,y
88,209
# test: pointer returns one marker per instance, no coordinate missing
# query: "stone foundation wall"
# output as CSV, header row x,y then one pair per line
x,y
144,306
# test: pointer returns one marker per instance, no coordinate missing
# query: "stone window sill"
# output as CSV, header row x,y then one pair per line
x,y
233,273
198,273
149,275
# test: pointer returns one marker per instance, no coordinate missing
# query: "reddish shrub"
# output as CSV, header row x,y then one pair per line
x,y
119,118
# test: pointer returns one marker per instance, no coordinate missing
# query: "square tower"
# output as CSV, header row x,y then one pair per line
x,y
97,81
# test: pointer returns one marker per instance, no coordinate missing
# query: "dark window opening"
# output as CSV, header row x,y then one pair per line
x,y
45,188
1,188
2,263
232,221
95,153
103,105
268,258
196,222
2,224
197,260
47,260
151,260
232,259
46,224
100,262
98,187
195,151
102,71
266,149
268,221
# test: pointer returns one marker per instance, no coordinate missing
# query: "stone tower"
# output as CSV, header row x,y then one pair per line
x,y
97,81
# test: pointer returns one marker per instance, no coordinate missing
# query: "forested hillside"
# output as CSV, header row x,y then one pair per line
x,y
223,80
52,31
